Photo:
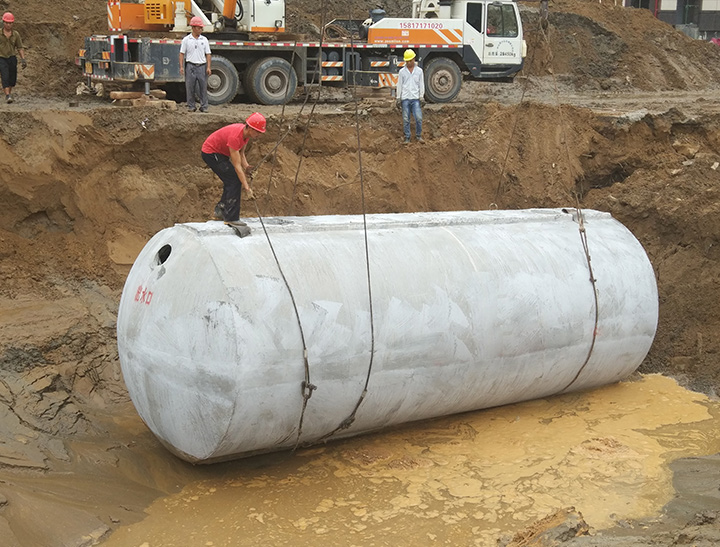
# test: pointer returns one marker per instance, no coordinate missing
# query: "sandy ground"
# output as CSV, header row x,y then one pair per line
x,y
613,107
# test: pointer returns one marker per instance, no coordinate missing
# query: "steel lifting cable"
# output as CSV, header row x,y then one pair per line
x,y
307,387
494,205
317,72
593,281
282,119
581,226
347,422
273,152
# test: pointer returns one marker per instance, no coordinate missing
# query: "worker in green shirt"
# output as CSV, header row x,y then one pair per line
x,y
10,46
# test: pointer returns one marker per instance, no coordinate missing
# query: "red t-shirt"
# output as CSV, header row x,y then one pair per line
x,y
225,138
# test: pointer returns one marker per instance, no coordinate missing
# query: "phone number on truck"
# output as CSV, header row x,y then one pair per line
x,y
413,24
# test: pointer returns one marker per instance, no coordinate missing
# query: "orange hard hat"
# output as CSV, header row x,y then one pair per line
x,y
257,122
8,17
196,22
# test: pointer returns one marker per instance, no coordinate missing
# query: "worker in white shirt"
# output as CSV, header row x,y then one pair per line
x,y
195,65
410,93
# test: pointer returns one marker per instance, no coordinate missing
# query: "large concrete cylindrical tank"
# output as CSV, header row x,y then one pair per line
x,y
469,310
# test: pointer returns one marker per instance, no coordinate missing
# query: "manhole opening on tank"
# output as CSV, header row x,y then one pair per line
x,y
163,254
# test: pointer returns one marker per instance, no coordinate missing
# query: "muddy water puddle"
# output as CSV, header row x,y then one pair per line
x,y
460,480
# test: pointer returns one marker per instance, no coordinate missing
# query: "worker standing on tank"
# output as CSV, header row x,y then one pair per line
x,y
195,64
410,92
10,47
224,152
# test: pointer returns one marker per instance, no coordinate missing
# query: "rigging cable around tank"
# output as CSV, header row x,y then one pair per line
x,y
572,192
581,219
273,152
317,72
593,281
347,422
307,386
494,205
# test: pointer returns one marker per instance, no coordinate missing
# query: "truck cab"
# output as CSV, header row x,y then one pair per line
x,y
482,39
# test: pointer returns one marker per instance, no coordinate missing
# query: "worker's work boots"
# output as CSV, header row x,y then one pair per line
x,y
219,213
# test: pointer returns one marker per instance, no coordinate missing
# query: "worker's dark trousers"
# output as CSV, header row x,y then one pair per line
x,y
196,77
232,187
8,71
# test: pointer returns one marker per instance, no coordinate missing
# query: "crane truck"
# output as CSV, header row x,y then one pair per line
x,y
255,55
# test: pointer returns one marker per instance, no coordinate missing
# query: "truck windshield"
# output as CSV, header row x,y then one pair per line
x,y
502,21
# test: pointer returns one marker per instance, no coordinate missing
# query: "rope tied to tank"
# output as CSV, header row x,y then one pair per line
x,y
306,386
494,204
543,28
350,419
593,282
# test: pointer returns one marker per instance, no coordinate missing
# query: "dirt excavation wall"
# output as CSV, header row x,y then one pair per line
x,y
613,106
83,191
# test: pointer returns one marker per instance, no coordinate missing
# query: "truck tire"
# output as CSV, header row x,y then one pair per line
x,y
223,81
442,80
271,81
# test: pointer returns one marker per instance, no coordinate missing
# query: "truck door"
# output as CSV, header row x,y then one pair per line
x,y
473,34
503,42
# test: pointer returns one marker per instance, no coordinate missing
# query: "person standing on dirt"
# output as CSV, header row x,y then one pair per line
x,y
195,65
410,92
224,152
10,47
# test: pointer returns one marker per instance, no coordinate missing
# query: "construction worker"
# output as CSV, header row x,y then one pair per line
x,y
224,152
410,91
195,63
10,46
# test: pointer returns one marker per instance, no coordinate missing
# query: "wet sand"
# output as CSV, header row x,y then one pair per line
x,y
461,480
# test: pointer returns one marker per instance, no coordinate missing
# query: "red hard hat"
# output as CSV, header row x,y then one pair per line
x,y
8,17
196,22
257,122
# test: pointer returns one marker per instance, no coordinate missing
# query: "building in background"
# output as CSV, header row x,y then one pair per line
x,y
696,18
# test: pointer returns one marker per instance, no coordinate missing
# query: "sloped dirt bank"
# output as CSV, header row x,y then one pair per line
x,y
83,190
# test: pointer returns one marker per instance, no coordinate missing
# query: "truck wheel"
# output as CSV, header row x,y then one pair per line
x,y
223,81
442,80
271,81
